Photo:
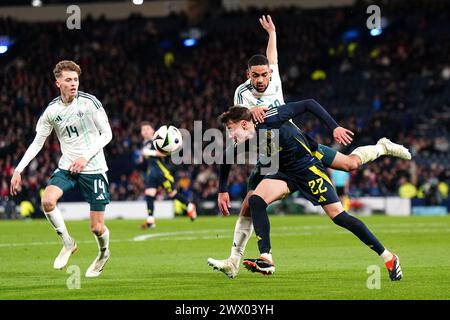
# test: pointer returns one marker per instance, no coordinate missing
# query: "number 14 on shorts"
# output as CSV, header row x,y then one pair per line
x,y
99,184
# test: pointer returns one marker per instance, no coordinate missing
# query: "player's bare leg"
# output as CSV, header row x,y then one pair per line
x,y
150,222
49,200
242,232
101,234
340,217
346,162
267,191
365,154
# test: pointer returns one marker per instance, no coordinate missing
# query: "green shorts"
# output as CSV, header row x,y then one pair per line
x,y
326,155
93,187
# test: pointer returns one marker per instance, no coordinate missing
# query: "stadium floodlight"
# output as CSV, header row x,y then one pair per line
x,y
191,36
375,32
138,2
36,3
190,42
5,43
350,35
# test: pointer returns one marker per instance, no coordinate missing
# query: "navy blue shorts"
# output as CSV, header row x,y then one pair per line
x,y
312,182
157,177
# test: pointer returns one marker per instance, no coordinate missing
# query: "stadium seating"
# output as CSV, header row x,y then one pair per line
x,y
123,65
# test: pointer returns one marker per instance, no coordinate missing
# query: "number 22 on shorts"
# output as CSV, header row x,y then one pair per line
x,y
316,186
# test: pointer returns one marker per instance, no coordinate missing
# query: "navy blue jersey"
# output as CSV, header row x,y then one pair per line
x,y
297,148
156,173
294,147
298,166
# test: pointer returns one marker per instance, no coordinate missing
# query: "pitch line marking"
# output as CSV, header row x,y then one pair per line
x,y
196,234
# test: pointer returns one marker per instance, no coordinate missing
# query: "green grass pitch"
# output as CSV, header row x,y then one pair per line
x,y
315,259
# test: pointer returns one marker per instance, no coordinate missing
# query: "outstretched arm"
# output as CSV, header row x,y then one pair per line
x,y
147,152
269,26
293,109
32,151
43,130
225,168
223,198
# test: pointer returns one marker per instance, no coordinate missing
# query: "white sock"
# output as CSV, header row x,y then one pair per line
x,y
56,219
150,219
369,153
242,232
103,240
267,256
386,255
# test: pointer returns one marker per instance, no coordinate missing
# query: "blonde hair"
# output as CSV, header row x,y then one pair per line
x,y
66,65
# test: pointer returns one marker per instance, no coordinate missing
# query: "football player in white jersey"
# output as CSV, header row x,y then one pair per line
x,y
83,130
262,91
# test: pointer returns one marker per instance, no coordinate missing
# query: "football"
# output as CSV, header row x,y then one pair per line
x,y
167,139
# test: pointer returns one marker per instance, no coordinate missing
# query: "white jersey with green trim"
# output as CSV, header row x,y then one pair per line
x,y
82,129
245,95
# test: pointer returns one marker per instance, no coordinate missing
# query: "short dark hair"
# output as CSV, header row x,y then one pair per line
x,y
146,123
235,114
258,60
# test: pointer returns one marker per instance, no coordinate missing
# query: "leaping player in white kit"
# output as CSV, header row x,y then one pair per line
x,y
83,130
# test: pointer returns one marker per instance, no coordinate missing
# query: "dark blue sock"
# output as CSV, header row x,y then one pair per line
x,y
181,198
359,229
150,205
260,222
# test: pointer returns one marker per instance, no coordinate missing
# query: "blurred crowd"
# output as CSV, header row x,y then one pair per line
x,y
395,84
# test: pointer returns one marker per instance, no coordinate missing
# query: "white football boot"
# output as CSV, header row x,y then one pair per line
x,y
394,149
226,266
64,255
96,267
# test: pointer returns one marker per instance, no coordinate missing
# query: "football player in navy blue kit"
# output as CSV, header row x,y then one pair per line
x,y
157,176
298,170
